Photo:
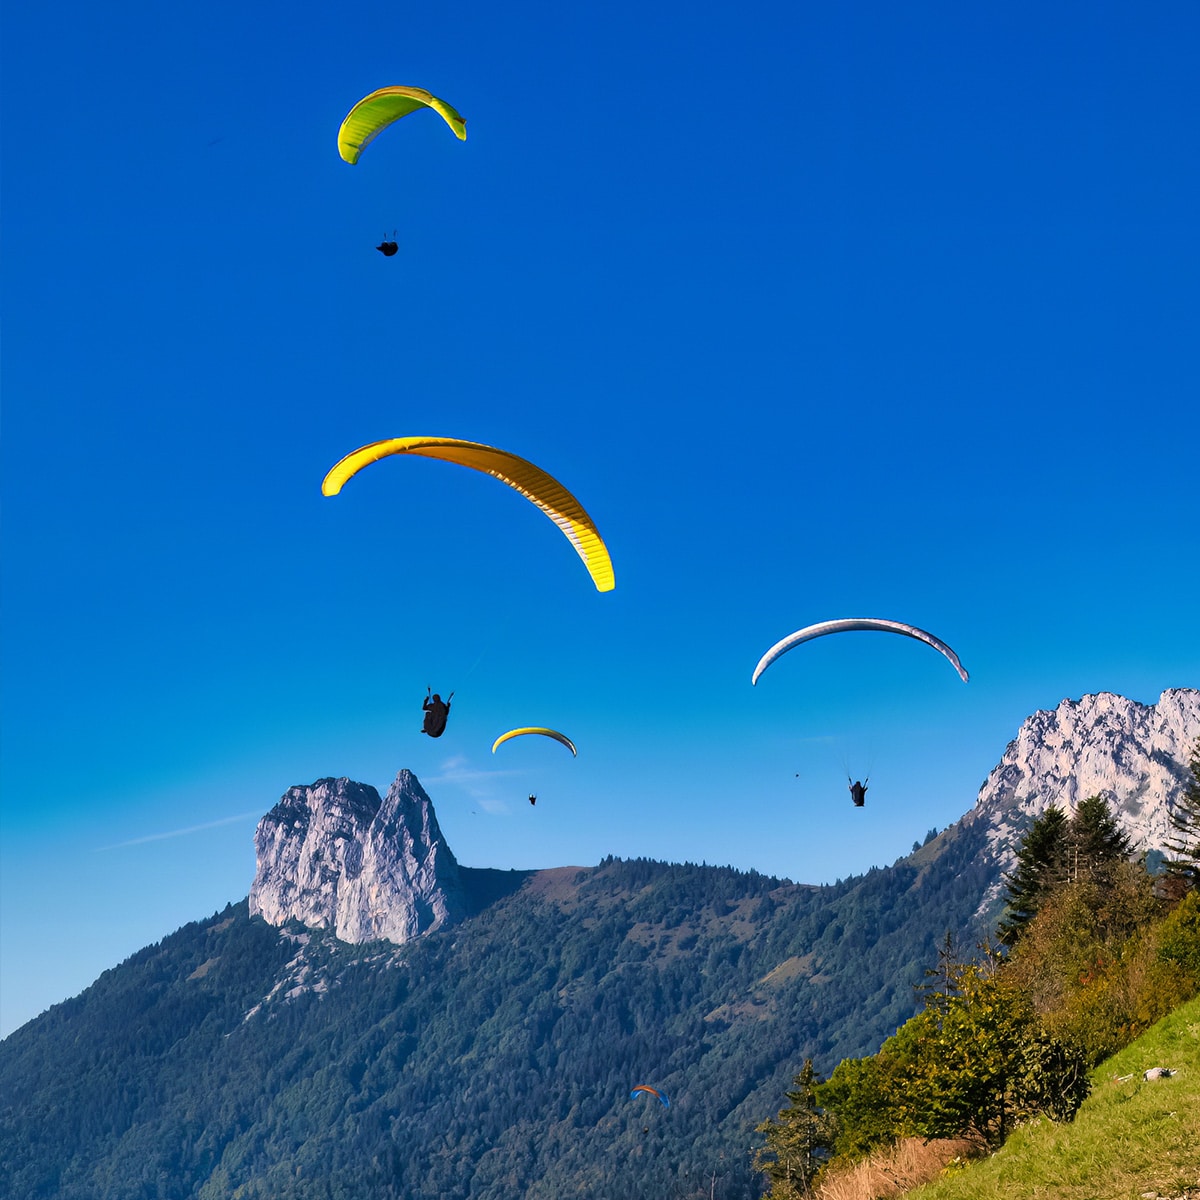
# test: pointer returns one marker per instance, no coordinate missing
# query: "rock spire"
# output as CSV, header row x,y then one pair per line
x,y
334,856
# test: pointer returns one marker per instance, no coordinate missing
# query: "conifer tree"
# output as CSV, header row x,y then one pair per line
x,y
1041,866
797,1142
943,979
1094,839
1184,865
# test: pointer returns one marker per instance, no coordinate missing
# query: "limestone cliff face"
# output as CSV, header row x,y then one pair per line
x,y
334,856
1134,755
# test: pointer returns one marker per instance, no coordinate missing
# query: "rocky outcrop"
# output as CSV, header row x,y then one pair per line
x,y
334,856
1134,755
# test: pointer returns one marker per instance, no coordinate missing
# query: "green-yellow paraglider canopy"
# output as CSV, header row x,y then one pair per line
x,y
374,113
527,729
532,482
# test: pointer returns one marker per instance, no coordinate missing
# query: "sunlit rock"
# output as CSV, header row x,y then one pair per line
x,y
334,856
1134,755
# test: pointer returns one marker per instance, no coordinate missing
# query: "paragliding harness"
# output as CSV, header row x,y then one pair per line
x,y
858,792
532,798
436,713
386,248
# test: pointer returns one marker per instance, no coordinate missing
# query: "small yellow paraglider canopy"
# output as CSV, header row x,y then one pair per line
x,y
550,733
532,482
374,113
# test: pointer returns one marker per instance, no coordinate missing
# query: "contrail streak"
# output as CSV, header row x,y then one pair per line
x,y
158,837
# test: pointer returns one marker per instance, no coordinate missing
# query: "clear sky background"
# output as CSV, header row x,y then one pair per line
x,y
821,310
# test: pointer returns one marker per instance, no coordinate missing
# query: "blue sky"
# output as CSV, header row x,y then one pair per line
x,y
854,310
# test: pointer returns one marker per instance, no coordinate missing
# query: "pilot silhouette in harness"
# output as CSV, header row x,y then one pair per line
x,y
437,711
386,248
858,793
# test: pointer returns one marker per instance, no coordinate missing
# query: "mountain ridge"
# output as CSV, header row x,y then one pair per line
x,y
491,1056
333,855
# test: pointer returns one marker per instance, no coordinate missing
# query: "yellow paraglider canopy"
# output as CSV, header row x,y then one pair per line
x,y
550,733
532,482
374,113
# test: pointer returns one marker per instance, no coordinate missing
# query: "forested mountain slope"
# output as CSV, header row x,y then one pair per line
x,y
494,1059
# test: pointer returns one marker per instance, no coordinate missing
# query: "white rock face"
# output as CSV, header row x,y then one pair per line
x,y
334,856
1134,755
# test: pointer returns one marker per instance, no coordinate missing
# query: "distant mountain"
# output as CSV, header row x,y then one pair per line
x,y
389,1024
335,856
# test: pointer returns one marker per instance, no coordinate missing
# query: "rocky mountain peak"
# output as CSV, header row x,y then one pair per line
x,y
332,855
1134,755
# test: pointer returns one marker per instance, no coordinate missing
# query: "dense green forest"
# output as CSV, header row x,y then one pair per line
x,y
492,1060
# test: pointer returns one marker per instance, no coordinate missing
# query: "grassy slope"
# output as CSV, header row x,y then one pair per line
x,y
1128,1140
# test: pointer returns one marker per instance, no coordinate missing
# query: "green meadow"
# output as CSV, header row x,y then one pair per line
x,y
1130,1139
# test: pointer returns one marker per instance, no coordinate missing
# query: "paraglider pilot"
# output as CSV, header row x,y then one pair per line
x,y
532,798
858,793
387,249
437,711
